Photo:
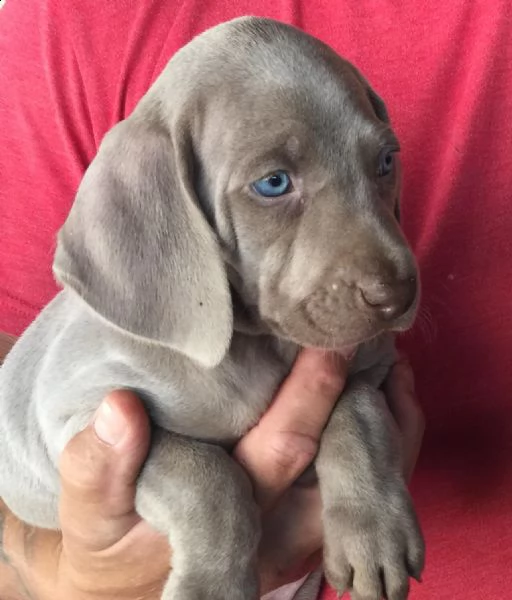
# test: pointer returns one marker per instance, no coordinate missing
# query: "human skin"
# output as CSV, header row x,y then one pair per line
x,y
105,550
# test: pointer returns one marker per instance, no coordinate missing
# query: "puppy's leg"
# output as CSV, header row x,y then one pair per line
x,y
197,495
372,539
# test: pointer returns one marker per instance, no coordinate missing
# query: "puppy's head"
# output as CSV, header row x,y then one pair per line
x,y
260,167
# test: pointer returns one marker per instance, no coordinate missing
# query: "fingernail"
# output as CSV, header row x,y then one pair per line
x,y
109,424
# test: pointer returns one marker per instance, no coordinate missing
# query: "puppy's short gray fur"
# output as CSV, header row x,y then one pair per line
x,y
183,285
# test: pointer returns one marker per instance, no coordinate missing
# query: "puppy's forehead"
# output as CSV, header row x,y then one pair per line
x,y
258,55
270,88
271,45
295,127
292,147
271,68
292,61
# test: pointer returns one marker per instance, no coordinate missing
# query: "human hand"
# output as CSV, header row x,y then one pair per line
x,y
292,538
106,551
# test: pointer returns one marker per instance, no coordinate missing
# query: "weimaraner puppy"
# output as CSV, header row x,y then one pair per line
x,y
247,207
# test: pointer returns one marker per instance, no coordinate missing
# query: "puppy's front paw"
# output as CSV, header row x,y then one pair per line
x,y
373,547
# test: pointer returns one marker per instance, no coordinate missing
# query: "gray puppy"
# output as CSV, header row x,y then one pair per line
x,y
246,208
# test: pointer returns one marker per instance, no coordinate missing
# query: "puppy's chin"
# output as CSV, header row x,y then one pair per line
x,y
308,335
343,336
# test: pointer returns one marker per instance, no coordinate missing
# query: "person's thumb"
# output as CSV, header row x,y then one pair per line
x,y
99,469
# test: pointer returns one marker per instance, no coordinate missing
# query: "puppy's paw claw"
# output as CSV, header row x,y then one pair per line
x,y
374,551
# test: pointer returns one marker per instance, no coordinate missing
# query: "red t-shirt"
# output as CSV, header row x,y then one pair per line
x,y
69,70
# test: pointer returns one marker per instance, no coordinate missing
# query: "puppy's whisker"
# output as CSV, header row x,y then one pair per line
x,y
425,326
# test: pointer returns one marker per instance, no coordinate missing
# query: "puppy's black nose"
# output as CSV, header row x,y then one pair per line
x,y
390,300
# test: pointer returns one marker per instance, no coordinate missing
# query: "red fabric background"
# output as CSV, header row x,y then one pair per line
x,y
69,70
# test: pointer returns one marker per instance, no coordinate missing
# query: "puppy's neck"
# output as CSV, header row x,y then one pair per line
x,y
246,317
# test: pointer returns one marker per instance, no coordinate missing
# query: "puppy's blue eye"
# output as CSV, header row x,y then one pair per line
x,y
386,161
273,185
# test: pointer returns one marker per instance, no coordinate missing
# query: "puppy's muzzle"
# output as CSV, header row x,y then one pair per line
x,y
388,301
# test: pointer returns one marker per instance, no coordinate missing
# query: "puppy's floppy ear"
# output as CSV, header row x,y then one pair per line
x,y
138,249
378,105
381,112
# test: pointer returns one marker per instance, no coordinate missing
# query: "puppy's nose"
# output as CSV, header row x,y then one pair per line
x,y
390,301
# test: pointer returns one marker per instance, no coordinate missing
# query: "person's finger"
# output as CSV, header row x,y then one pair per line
x,y
292,537
98,470
405,407
285,441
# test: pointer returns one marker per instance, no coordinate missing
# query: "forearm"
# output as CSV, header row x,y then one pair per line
x,y
12,586
30,565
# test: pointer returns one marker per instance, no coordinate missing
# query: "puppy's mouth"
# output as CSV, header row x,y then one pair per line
x,y
341,315
312,335
343,334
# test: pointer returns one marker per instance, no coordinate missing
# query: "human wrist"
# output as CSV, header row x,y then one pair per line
x,y
12,584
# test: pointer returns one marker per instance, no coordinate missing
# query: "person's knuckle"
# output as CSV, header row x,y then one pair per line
x,y
327,380
291,452
79,466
